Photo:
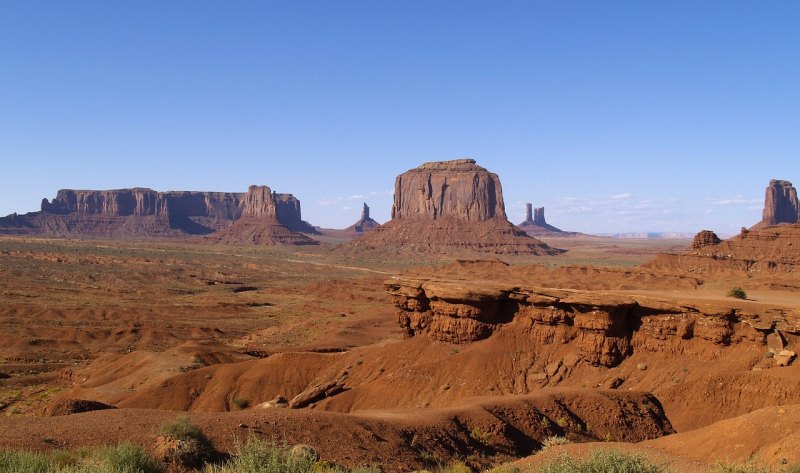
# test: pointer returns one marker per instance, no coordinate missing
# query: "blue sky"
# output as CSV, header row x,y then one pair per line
x,y
616,116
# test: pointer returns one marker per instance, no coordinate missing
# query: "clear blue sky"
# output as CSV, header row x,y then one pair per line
x,y
615,115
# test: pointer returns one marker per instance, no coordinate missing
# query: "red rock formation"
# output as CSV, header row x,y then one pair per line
x,y
451,205
267,218
705,238
364,224
535,224
144,213
458,189
762,251
605,329
780,204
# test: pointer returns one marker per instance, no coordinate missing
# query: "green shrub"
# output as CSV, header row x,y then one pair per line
x,y
124,458
129,458
603,461
181,428
23,462
257,455
241,403
749,467
737,292
553,441
481,436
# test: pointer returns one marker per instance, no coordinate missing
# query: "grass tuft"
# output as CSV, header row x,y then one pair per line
x,y
603,461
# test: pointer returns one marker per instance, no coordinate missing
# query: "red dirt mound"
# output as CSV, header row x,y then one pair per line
x,y
485,430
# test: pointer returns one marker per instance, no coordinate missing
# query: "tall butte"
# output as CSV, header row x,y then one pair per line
x,y
451,205
268,218
536,225
780,204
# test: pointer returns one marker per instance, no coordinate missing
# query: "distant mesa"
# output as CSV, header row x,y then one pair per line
x,y
535,224
268,218
451,205
780,204
145,213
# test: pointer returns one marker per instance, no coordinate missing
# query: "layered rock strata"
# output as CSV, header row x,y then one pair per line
x,y
451,205
763,251
267,218
143,213
605,329
705,238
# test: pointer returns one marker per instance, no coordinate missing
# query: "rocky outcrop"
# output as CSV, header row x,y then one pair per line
x,y
261,202
145,202
145,213
458,189
268,218
451,205
780,204
705,238
603,328
765,251
536,225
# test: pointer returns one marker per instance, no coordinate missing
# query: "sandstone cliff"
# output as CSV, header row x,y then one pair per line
x,y
145,213
780,204
268,218
451,205
605,329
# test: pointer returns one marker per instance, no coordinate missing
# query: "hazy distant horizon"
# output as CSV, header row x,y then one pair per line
x,y
624,117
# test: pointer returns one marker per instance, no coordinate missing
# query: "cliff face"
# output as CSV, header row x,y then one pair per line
x,y
450,206
457,189
142,212
780,204
604,329
142,202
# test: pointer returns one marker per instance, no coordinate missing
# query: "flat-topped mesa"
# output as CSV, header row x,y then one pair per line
x,y
144,202
145,213
780,204
457,189
705,238
451,206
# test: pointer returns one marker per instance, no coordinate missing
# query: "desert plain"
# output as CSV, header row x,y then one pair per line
x,y
445,336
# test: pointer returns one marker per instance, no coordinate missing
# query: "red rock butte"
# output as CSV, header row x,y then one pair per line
x,y
536,225
780,204
451,205
145,213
